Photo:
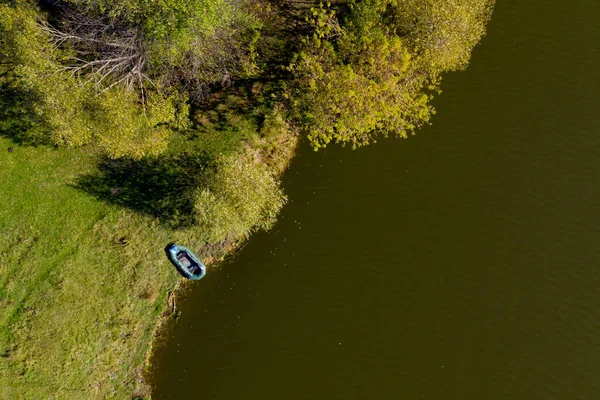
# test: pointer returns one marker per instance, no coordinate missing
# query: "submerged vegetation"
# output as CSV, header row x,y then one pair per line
x,y
133,123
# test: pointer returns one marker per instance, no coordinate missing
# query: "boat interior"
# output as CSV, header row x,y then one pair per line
x,y
188,262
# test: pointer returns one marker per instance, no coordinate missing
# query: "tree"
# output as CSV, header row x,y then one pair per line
x,y
240,197
374,72
442,33
119,74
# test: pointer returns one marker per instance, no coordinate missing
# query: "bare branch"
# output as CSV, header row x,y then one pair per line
x,y
106,53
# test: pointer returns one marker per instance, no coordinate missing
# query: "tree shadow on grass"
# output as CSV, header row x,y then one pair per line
x,y
162,187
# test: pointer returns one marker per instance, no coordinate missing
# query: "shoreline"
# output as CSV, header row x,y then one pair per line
x,y
95,329
211,254
88,314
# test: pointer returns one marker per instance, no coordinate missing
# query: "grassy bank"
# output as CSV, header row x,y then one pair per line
x,y
83,276
83,279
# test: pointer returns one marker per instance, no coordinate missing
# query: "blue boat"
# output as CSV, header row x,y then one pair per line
x,y
187,263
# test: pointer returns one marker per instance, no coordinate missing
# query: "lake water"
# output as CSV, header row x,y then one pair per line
x,y
463,263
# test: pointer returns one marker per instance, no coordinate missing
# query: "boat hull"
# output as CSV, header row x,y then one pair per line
x,y
185,261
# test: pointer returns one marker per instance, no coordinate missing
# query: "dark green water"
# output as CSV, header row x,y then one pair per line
x,y
463,263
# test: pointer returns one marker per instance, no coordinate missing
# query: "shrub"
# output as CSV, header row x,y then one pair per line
x,y
242,196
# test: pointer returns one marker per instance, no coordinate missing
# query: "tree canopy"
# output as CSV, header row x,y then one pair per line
x,y
123,74
119,74
374,70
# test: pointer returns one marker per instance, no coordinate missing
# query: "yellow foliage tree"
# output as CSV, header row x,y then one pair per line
x,y
375,71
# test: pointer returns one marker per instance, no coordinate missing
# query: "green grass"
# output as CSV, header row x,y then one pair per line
x,y
82,282
83,275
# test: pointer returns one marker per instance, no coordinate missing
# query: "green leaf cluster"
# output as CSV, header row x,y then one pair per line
x,y
441,32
